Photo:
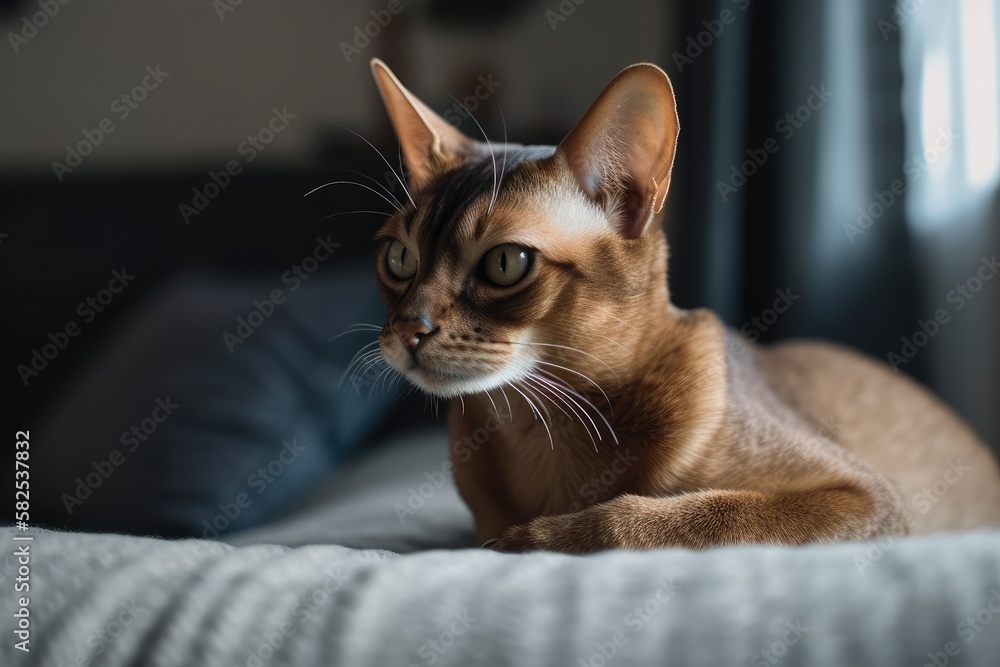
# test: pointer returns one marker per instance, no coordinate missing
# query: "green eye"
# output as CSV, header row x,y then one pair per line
x,y
506,264
401,262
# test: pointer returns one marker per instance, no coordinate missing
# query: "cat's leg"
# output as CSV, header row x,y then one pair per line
x,y
712,519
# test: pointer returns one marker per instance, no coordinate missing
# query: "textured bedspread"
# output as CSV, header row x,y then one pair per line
x,y
117,600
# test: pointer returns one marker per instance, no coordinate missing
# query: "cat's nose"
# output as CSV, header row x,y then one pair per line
x,y
412,330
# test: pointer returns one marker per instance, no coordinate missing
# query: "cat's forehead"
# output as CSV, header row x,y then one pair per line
x,y
527,200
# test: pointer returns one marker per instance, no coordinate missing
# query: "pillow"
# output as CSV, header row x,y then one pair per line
x,y
213,408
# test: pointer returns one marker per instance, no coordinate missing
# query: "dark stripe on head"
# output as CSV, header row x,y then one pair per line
x,y
454,191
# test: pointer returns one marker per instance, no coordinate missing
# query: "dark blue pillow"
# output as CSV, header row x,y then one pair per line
x,y
215,408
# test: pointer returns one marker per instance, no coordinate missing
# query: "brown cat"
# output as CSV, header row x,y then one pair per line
x,y
530,283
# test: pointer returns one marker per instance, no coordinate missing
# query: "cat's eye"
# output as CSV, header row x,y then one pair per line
x,y
401,262
506,264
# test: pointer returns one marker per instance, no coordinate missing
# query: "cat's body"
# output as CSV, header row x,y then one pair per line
x,y
596,415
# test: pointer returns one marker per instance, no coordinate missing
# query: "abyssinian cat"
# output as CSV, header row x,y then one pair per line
x,y
529,284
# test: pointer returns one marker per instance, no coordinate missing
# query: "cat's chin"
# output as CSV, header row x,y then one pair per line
x,y
445,384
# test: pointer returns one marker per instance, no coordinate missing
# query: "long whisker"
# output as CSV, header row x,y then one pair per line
x,y
573,349
375,382
532,378
380,184
503,167
617,343
360,357
570,370
509,411
537,412
463,404
398,177
611,315
355,328
371,362
565,397
494,405
586,400
360,185
334,215
488,144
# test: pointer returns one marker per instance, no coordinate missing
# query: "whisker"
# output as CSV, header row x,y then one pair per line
x,y
359,357
494,405
611,315
398,178
488,144
536,412
509,411
561,409
617,343
375,382
573,349
586,400
463,404
355,328
380,184
360,185
503,167
566,397
570,370
373,361
334,215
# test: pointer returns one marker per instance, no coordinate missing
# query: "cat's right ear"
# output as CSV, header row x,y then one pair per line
x,y
429,143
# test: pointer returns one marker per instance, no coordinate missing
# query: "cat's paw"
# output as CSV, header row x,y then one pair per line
x,y
546,533
515,540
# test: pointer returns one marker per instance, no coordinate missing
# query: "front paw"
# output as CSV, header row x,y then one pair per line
x,y
560,532
515,540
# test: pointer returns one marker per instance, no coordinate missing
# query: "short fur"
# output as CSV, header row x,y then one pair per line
x,y
596,415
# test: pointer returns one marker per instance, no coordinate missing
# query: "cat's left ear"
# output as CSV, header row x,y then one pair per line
x,y
623,148
429,143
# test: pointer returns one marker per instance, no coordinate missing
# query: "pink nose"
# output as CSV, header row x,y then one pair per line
x,y
412,330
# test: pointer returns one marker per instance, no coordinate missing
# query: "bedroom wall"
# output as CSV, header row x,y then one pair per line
x,y
264,55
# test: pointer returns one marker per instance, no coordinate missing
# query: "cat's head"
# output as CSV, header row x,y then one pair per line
x,y
518,260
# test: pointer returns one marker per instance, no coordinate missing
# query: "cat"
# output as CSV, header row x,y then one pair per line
x,y
529,285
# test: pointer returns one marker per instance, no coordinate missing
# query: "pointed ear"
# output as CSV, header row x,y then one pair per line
x,y
429,143
622,150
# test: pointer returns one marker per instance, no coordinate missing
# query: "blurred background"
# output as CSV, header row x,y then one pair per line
x,y
842,155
